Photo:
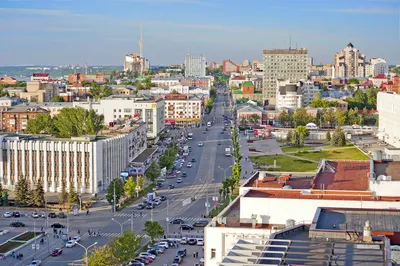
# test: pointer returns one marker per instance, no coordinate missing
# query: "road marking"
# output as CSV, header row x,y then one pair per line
x,y
107,235
188,218
135,215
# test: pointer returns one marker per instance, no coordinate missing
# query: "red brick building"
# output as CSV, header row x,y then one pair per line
x,y
8,81
197,82
15,118
229,67
392,86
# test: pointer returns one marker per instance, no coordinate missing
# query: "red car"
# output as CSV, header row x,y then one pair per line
x,y
56,252
146,258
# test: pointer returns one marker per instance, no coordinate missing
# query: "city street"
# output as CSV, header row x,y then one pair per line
x,y
202,183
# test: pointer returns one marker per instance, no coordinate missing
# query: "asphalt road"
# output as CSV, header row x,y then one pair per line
x,y
202,182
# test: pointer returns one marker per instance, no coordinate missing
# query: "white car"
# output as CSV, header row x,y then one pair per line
x,y
70,244
76,238
179,180
163,244
35,263
35,215
147,254
157,202
8,214
183,241
200,242
200,144
189,165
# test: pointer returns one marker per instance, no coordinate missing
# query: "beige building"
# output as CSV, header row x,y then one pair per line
x,y
349,63
37,91
286,64
182,109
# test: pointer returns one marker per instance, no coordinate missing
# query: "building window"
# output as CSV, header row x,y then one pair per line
x,y
213,253
128,110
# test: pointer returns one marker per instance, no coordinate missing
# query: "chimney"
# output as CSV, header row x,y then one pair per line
x,y
367,235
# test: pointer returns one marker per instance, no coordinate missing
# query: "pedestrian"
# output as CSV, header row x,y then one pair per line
x,y
21,255
79,232
13,254
87,212
197,254
41,229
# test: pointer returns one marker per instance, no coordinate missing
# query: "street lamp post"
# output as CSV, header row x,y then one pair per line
x,y
207,202
121,224
34,229
224,170
86,251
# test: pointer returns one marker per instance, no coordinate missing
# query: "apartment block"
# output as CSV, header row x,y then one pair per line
x,y
349,63
288,95
39,91
183,109
285,64
88,162
388,105
40,77
15,118
229,67
195,66
203,82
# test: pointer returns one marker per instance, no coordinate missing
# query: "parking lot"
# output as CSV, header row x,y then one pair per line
x,y
188,260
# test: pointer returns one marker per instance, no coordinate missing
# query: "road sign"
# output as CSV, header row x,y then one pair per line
x,y
167,219
216,203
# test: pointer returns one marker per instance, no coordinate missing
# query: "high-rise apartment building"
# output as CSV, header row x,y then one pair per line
x,y
379,66
349,63
195,66
286,64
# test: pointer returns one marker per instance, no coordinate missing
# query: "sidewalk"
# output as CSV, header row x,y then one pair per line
x,y
247,165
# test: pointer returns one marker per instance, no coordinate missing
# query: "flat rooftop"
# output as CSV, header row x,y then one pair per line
x,y
294,247
354,219
388,169
343,175
279,181
141,158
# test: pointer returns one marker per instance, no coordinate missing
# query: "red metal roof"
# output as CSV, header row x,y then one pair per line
x,y
41,75
380,76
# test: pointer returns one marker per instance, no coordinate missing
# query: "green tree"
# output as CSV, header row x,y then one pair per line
x,y
254,119
153,172
340,117
101,256
64,194
243,121
22,191
130,187
175,92
119,191
140,181
153,229
73,197
38,194
283,117
100,92
338,138
124,246
329,117
301,117
371,94
4,198
354,81
30,201
296,141
42,124
328,135
303,133
289,136
57,98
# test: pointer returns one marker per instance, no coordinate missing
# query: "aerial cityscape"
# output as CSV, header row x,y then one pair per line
x,y
199,132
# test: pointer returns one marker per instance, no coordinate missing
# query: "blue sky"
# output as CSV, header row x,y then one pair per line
x,y
103,31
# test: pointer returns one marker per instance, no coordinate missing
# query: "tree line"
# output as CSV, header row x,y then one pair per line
x,y
70,122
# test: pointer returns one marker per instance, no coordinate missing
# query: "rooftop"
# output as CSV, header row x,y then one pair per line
x,y
279,181
144,155
44,75
342,175
388,169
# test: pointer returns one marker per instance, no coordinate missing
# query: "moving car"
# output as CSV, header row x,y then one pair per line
x,y
70,244
7,215
52,215
189,165
177,259
35,263
179,180
140,206
157,202
201,223
193,160
177,221
200,144
76,238
186,227
56,252
57,225
35,215
184,174
171,186
150,206
163,198
200,242
17,224
181,252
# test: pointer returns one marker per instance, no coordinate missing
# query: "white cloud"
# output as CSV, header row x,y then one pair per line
x,y
362,10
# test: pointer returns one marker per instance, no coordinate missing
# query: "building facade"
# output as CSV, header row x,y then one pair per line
x,y
89,163
349,63
288,95
40,77
15,118
183,109
195,66
379,66
203,82
229,67
122,107
38,91
291,64
136,63
388,105
308,90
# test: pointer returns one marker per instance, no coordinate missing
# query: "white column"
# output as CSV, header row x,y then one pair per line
x,y
84,148
60,163
45,181
68,160
94,154
23,157
3,160
30,148
16,161
76,147
38,149
53,168
9,165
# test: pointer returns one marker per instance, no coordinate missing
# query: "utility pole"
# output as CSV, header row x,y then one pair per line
x,y
207,202
151,214
114,199
132,223
167,217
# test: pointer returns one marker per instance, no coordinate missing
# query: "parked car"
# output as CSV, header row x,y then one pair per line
x,y
157,202
17,224
7,215
56,252
183,241
142,260
192,241
154,251
163,244
200,242
177,259
16,214
35,215
179,180
52,215
147,254
177,221
57,225
186,227
140,206
201,223
150,206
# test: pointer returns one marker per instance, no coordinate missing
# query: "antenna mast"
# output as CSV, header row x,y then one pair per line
x,y
141,41
290,41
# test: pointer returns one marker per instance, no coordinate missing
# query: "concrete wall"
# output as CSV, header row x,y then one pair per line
x,y
389,111
279,210
385,188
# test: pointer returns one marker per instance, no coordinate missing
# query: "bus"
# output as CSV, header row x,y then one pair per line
x,y
185,150
190,135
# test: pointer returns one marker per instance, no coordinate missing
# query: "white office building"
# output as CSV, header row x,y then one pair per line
x,y
88,162
288,95
195,66
388,105
379,66
122,107
308,90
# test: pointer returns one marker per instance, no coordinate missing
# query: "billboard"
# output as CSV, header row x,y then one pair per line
x,y
124,174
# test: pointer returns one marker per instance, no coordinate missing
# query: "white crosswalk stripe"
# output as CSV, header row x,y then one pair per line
x,y
107,235
126,214
188,219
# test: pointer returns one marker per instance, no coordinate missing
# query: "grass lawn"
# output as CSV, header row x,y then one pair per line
x,y
339,154
10,245
335,147
287,164
26,236
296,149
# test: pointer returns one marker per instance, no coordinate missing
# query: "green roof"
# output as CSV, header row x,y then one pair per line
x,y
247,83
237,92
257,92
